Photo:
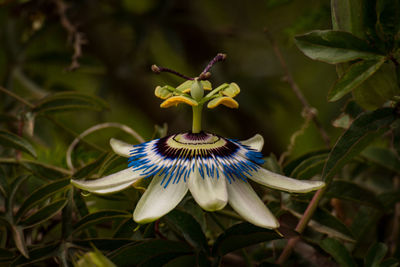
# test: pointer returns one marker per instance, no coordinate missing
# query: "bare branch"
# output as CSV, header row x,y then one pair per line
x,y
75,38
308,110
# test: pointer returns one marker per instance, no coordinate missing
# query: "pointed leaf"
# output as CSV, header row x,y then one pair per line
x,y
19,240
338,252
67,101
390,262
375,255
362,132
99,217
323,221
188,227
44,213
334,47
347,16
41,194
310,167
378,88
388,20
4,188
37,254
289,168
240,236
351,191
353,77
14,189
384,157
12,140
105,244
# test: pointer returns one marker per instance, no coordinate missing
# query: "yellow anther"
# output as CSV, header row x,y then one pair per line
x,y
175,100
224,100
162,92
232,90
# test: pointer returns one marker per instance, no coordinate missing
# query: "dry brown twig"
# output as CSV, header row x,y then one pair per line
x,y
308,111
75,37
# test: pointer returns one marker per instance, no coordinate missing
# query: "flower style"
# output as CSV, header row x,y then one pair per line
x,y
214,169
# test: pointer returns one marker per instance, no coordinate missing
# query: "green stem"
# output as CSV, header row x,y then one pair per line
x,y
196,127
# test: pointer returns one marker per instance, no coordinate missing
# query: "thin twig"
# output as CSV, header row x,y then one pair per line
x,y
75,37
310,111
96,128
17,97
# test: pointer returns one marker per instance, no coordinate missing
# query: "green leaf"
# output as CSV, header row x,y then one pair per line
x,y
99,217
45,170
41,194
188,227
12,140
288,168
19,240
91,167
37,254
67,101
356,74
44,213
125,229
384,157
338,252
182,261
17,182
6,254
388,20
80,203
132,255
347,16
161,260
105,244
378,88
364,226
353,192
335,47
362,132
4,188
389,199
322,221
390,262
240,236
375,255
310,167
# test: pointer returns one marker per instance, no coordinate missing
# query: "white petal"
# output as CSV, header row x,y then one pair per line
x,y
121,148
109,184
158,201
209,192
280,182
247,204
256,142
